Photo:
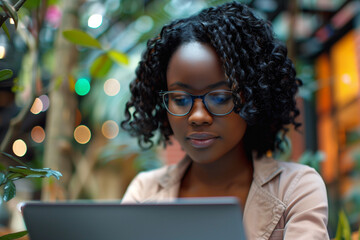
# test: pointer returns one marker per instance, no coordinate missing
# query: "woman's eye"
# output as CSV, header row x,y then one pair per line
x,y
181,100
220,98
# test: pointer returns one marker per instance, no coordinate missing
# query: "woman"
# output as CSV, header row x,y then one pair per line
x,y
223,86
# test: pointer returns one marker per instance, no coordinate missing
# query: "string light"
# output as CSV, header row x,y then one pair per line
x,y
2,52
82,134
38,134
37,106
45,102
82,86
110,129
19,148
111,87
95,21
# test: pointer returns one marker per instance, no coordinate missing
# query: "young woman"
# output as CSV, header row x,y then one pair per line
x,y
223,86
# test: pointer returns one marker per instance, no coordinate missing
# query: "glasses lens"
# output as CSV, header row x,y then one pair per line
x,y
178,103
219,102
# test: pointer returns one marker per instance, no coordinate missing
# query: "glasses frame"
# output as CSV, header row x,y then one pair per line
x,y
193,97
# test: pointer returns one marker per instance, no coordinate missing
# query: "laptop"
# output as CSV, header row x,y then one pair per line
x,y
182,219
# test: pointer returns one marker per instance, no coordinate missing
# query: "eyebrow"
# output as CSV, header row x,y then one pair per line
x,y
211,86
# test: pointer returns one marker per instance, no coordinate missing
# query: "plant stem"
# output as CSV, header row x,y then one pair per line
x,y
17,7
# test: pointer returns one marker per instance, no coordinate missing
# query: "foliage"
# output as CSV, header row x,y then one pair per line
x,y
103,63
14,235
5,74
343,231
11,174
312,159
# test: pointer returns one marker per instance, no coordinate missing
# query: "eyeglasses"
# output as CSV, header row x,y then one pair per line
x,y
180,103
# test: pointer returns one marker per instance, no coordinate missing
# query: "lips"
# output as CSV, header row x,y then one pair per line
x,y
201,140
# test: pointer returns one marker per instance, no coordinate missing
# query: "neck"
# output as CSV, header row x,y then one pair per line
x,y
233,168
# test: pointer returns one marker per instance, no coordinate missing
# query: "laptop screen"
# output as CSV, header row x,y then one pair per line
x,y
198,219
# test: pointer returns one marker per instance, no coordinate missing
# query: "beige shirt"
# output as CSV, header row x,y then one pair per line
x,y
285,201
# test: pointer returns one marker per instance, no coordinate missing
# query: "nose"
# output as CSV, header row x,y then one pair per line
x,y
199,115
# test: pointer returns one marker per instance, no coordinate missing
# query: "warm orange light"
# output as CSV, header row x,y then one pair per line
x,y
38,134
110,129
19,148
2,52
37,106
82,134
344,62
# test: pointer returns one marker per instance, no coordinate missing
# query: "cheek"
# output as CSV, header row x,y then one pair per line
x,y
235,127
177,124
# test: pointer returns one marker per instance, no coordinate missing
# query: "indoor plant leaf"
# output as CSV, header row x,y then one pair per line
x,y
6,30
118,57
9,191
2,167
5,74
14,158
13,235
101,66
81,38
32,172
343,230
2,178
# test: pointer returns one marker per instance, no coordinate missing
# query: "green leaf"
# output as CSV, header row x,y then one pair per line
x,y
30,5
5,74
119,57
10,11
9,191
101,66
2,178
2,167
15,176
14,158
81,38
343,230
14,235
35,173
6,30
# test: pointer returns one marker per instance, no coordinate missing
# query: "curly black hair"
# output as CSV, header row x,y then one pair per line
x,y
255,63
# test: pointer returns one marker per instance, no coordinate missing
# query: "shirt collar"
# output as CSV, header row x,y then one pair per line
x,y
265,169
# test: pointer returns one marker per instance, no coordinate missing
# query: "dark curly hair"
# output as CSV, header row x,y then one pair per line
x,y
255,63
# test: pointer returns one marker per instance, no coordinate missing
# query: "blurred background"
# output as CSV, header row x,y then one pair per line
x,y
64,102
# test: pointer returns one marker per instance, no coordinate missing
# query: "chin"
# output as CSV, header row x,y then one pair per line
x,y
201,157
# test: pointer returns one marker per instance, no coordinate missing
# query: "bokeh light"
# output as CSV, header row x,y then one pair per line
x,y
38,134
110,129
95,21
82,134
45,102
37,106
2,52
111,87
11,21
144,24
19,148
346,78
82,86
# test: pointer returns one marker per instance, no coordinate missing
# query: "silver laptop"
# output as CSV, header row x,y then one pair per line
x,y
183,219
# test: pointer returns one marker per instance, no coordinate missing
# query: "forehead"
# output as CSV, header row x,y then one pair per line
x,y
196,65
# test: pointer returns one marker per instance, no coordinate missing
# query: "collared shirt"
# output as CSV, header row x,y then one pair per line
x,y
285,201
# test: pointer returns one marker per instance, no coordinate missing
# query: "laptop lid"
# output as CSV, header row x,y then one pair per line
x,y
183,219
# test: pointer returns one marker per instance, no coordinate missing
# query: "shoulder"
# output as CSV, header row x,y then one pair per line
x,y
299,180
144,184
304,193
